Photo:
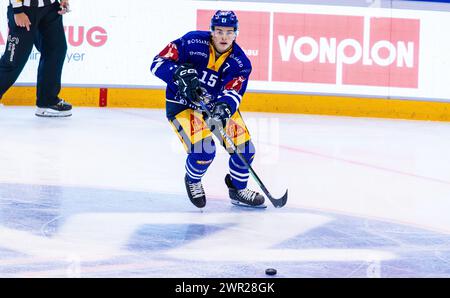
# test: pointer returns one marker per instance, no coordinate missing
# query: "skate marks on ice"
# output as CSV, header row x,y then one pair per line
x,y
70,231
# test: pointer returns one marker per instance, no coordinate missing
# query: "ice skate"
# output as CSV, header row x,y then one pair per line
x,y
244,197
195,192
61,109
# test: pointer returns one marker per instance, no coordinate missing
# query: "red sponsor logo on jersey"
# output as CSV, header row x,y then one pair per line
x,y
197,124
346,50
234,130
170,52
235,84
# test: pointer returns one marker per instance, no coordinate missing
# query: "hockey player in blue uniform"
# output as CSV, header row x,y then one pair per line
x,y
209,65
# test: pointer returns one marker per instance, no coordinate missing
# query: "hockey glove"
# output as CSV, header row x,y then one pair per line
x,y
185,77
219,116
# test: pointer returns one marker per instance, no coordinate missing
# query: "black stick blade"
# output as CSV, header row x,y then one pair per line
x,y
278,203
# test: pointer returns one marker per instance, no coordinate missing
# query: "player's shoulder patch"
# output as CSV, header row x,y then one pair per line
x,y
170,52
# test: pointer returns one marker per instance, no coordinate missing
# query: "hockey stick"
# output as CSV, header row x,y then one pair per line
x,y
278,203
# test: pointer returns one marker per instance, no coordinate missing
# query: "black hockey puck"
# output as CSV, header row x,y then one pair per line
x,y
271,271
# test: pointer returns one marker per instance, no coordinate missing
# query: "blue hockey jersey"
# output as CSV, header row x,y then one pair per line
x,y
225,78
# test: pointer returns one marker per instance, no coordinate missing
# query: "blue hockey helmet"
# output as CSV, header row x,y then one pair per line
x,y
225,18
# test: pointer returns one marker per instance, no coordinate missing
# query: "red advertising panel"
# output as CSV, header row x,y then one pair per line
x,y
253,38
334,49
300,49
393,58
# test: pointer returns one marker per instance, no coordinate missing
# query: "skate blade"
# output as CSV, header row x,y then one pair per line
x,y
49,113
240,204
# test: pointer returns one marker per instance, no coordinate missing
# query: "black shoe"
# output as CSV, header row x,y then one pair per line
x,y
244,197
61,109
195,192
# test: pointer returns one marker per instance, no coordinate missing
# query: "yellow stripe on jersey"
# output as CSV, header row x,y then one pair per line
x,y
179,136
237,130
214,64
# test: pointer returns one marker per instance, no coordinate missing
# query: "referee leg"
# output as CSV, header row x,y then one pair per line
x,y
51,42
17,51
